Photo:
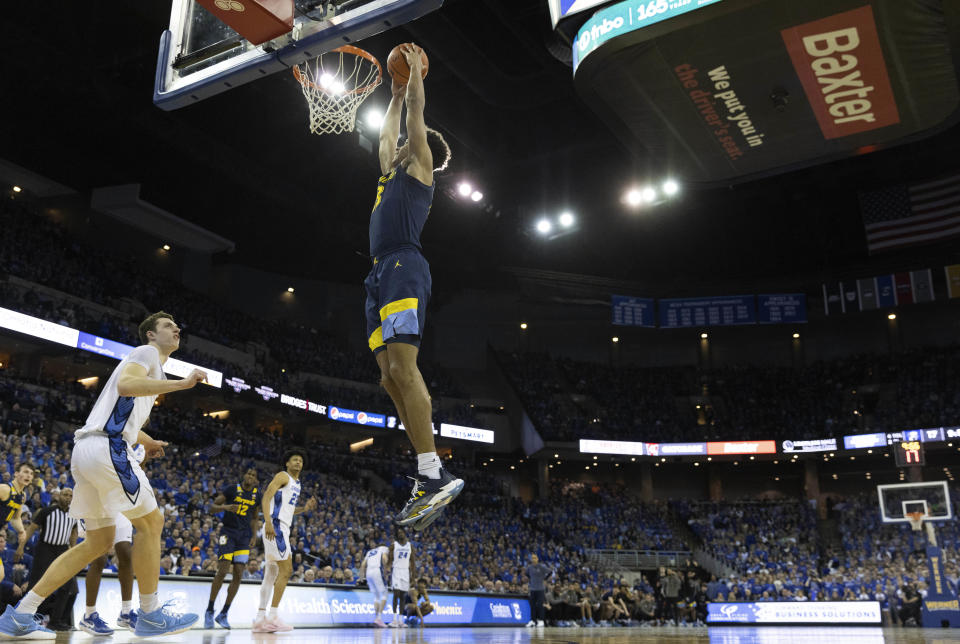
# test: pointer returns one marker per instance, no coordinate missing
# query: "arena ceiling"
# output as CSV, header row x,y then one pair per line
x,y
78,109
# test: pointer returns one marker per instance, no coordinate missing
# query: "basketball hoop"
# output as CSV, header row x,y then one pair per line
x,y
916,519
335,84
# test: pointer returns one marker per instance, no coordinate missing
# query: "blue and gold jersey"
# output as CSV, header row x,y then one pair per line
x,y
12,505
399,212
239,522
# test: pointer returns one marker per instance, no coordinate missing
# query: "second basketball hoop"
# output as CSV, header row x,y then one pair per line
x,y
335,84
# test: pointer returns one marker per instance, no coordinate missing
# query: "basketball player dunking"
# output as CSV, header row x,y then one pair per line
x,y
110,482
279,507
398,286
238,503
401,558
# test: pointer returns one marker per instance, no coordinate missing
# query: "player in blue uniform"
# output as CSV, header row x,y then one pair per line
x,y
239,506
398,286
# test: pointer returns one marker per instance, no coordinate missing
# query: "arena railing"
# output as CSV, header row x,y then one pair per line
x,y
639,559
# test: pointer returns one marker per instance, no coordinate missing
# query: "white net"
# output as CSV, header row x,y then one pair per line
x,y
335,84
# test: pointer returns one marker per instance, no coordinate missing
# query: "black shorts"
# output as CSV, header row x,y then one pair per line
x,y
398,290
233,547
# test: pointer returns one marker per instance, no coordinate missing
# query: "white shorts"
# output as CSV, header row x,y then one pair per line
x,y
107,483
401,582
124,530
375,584
277,549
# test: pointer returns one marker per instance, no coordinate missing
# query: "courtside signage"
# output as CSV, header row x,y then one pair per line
x,y
607,24
741,447
611,447
841,68
853,612
466,433
305,606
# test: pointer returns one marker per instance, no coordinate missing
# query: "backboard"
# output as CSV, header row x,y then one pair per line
x,y
200,56
931,498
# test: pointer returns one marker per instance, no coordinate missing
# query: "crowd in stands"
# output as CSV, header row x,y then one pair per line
x,y
770,548
358,494
567,400
110,293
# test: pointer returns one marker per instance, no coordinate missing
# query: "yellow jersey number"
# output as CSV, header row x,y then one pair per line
x,y
383,181
242,510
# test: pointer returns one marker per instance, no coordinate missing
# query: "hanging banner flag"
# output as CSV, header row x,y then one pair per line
x,y
904,288
922,282
867,290
953,280
886,291
832,299
851,298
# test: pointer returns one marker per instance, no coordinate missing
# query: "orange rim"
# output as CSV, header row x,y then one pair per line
x,y
345,49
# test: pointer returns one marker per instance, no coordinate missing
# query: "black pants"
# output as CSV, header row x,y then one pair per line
x,y
537,599
59,605
911,610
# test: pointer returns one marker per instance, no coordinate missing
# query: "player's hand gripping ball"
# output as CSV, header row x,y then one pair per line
x,y
398,65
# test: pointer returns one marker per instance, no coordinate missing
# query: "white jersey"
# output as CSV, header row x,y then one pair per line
x,y
400,577
118,416
284,502
375,560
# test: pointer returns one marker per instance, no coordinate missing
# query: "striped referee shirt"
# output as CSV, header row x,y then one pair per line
x,y
55,524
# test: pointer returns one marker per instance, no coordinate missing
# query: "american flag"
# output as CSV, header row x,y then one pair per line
x,y
904,215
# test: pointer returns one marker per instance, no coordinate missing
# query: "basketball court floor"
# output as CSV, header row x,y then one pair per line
x,y
718,635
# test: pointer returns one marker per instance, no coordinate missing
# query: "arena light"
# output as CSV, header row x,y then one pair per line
x,y
566,219
289,289
476,195
615,339
544,226
523,326
704,336
359,445
465,189
670,187
648,194
892,316
17,189
88,382
633,197
166,247
374,117
796,336
219,415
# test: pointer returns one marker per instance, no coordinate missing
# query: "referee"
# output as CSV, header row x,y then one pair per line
x,y
58,532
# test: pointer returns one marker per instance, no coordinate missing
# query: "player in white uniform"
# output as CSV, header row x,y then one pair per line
x,y
401,558
371,568
279,507
123,547
108,483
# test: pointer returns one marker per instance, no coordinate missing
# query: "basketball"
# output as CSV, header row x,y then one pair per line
x,y
398,67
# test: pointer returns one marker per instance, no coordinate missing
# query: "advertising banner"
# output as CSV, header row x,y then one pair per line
x,y
313,606
741,447
611,447
865,441
852,612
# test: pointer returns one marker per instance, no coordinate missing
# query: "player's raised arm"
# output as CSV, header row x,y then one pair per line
x,y
135,382
390,128
279,480
420,156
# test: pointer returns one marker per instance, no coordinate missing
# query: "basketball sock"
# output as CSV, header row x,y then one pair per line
x,y
126,606
261,615
88,611
428,464
273,612
149,603
29,604
210,607
226,607
270,572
